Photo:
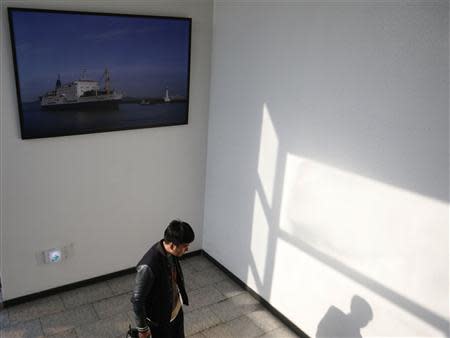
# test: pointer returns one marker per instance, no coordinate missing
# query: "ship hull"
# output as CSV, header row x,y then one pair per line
x,y
90,105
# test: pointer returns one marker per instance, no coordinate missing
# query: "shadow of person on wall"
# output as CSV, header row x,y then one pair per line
x,y
337,324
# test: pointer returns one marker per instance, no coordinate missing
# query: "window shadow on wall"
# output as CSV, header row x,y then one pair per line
x,y
335,320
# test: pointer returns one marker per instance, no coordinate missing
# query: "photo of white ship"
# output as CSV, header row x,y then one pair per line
x,y
82,94
100,77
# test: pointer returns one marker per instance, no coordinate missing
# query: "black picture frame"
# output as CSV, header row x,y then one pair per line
x,y
133,71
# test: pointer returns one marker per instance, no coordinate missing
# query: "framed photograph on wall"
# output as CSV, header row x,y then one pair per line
x,y
83,72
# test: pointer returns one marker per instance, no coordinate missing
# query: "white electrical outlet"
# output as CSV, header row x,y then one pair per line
x,y
54,255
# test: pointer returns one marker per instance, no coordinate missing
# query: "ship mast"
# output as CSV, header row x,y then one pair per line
x,y
58,82
107,79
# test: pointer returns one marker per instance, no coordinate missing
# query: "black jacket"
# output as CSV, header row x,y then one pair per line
x,y
152,295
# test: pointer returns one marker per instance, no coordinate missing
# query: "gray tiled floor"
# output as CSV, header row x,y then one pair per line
x,y
218,308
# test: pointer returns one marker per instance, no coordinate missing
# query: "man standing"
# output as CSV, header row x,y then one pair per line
x,y
159,288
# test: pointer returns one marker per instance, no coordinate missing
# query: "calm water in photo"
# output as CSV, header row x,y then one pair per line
x,y
42,123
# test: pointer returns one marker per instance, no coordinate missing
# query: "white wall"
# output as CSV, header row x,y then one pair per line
x,y
110,194
327,166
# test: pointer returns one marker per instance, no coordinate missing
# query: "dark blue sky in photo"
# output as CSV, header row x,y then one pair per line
x,y
144,55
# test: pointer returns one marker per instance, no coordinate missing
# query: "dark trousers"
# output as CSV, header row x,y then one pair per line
x,y
175,329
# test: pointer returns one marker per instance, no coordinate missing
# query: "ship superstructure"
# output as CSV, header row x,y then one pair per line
x,y
81,93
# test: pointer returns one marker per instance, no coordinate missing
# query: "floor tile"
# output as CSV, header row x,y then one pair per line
x,y
209,276
66,334
4,319
29,329
35,309
229,288
194,259
185,260
131,316
190,280
86,294
197,335
203,297
265,320
190,284
186,264
113,305
226,310
219,331
199,320
68,319
244,327
245,299
200,263
115,326
283,332
122,284
235,307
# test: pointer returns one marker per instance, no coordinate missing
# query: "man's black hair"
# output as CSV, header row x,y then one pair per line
x,y
179,232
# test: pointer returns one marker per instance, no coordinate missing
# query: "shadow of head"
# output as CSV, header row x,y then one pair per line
x,y
360,312
337,324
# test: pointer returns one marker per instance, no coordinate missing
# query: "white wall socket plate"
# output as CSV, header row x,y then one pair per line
x,y
54,255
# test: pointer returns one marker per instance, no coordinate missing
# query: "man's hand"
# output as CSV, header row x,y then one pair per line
x,y
145,334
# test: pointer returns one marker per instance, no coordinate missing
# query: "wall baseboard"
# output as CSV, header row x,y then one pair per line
x,y
68,287
265,303
86,282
